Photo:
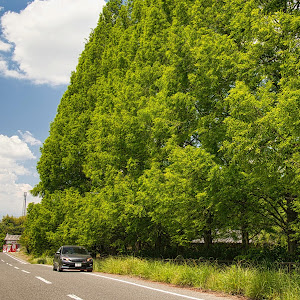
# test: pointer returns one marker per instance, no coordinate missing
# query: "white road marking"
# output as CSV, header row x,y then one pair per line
x,y
146,287
2,260
44,280
17,268
25,271
74,297
17,259
10,265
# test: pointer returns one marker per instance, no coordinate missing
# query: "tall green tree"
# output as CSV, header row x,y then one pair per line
x,y
267,148
180,121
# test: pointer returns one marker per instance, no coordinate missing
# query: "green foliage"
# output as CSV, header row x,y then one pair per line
x,y
181,122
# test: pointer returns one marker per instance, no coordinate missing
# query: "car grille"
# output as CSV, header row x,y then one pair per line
x,y
77,259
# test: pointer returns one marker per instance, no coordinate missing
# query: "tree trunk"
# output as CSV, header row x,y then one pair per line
x,y
207,231
291,217
137,247
245,238
207,238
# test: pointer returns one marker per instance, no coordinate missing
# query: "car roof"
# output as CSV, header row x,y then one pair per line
x,y
74,246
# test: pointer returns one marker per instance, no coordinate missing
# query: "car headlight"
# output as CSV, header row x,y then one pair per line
x,y
89,260
65,259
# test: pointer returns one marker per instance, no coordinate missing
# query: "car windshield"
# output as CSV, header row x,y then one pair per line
x,y
74,250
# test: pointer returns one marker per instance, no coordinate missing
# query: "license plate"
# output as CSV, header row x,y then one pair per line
x,y
77,264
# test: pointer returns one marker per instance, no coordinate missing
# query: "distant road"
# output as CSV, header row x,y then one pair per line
x,y
21,280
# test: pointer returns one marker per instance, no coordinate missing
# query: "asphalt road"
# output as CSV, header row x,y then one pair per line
x,y
23,281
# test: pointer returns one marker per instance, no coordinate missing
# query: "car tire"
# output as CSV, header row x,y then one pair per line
x,y
58,269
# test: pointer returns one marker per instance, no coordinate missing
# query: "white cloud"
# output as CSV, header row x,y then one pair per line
x,y
29,138
13,148
12,195
48,37
13,154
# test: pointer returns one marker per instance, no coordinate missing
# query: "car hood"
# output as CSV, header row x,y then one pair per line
x,y
76,256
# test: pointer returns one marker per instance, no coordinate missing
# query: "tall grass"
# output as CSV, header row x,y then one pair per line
x,y
252,282
41,260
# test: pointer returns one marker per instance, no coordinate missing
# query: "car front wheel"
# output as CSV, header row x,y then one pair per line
x,y
58,269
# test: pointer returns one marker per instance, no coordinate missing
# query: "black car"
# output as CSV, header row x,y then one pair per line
x,y
72,258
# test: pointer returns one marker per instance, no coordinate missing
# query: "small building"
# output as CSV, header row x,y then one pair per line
x,y
11,243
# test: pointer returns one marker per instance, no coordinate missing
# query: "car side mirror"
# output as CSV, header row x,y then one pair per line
x,y
57,252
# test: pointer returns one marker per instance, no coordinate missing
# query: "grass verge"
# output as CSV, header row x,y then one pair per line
x,y
47,260
252,282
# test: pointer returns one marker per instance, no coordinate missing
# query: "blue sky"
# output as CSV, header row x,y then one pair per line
x,y
40,43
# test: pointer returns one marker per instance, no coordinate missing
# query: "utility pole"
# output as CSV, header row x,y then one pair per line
x,y
24,205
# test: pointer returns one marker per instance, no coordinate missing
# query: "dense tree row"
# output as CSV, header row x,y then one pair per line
x,y
180,122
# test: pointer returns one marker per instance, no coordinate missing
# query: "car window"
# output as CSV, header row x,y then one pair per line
x,y
74,250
